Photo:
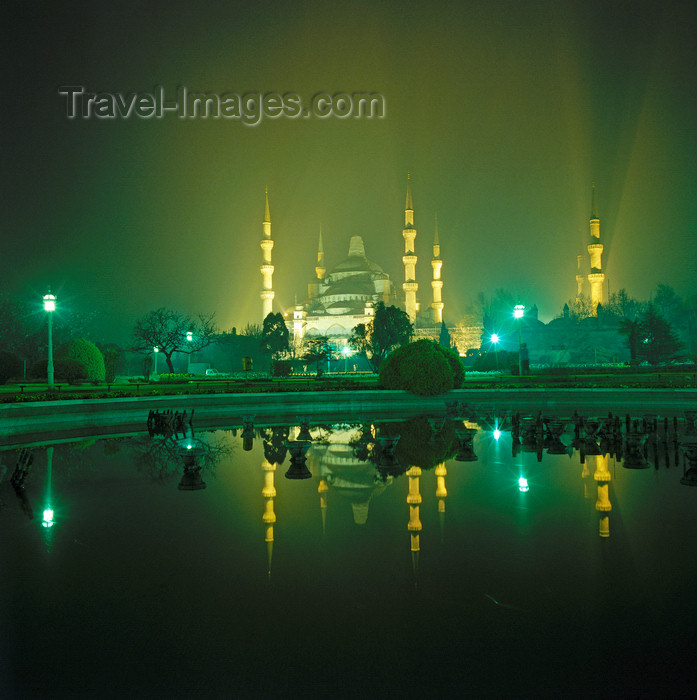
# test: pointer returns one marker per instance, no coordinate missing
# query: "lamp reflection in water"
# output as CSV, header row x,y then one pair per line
x,y
48,520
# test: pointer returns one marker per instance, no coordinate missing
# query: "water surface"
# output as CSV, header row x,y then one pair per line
x,y
383,574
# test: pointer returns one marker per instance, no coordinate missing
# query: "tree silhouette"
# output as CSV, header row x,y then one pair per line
x,y
659,343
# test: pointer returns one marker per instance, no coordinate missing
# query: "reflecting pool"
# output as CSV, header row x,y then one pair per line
x,y
457,554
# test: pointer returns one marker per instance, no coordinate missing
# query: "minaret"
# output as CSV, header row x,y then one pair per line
x,y
437,282
595,250
320,269
409,259
267,293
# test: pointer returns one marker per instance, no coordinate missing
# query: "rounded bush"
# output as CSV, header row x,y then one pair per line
x,y
456,365
419,367
87,353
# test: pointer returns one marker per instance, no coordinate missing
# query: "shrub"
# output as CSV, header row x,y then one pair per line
x,y
281,368
175,378
10,366
64,370
87,353
419,367
501,360
112,359
456,365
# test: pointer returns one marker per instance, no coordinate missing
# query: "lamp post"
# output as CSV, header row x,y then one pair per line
x,y
189,339
495,340
518,312
156,350
50,307
346,350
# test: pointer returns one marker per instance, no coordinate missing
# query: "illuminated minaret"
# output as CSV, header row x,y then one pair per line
x,y
441,494
580,279
267,293
269,517
409,259
595,250
437,282
414,526
320,269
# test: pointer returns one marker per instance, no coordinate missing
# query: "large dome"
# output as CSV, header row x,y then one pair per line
x,y
355,264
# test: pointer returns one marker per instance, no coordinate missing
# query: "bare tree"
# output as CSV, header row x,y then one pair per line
x,y
169,331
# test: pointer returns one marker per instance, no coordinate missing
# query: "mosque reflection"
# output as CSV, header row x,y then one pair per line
x,y
358,462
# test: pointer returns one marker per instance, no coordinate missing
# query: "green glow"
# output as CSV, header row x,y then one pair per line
x,y
48,520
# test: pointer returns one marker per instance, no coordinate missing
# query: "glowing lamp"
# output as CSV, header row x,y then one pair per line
x,y
497,434
49,302
48,518
523,485
518,311
495,338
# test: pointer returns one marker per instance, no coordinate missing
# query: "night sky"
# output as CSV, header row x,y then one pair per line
x,y
505,113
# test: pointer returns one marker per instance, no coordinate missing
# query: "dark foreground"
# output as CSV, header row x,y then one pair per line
x,y
364,579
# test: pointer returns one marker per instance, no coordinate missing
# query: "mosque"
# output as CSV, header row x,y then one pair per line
x,y
339,299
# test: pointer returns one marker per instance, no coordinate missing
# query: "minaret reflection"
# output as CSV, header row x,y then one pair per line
x,y
603,477
274,454
322,490
269,516
414,525
441,495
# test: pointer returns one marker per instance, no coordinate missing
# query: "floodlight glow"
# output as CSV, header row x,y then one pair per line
x,y
49,302
346,350
495,338
48,518
156,349
189,335
523,484
497,434
518,311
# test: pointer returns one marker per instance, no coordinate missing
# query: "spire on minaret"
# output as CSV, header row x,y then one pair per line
x,y
594,205
437,282
266,269
267,215
436,242
320,270
410,285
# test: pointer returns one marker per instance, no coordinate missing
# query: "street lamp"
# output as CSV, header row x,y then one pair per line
x,y
518,312
346,350
50,307
189,339
156,350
